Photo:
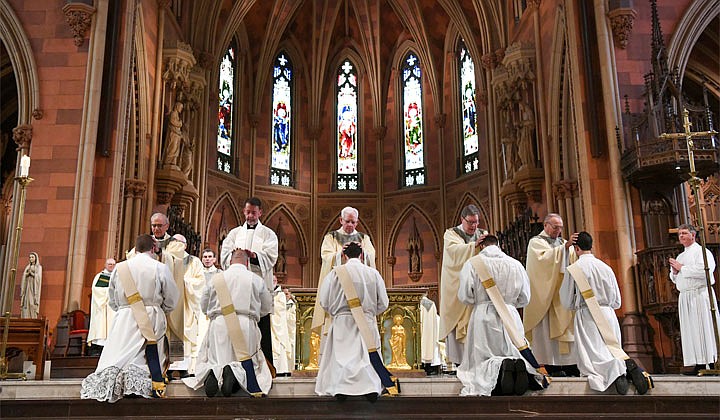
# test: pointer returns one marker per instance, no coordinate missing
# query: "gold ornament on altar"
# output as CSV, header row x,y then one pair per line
x,y
314,360
398,345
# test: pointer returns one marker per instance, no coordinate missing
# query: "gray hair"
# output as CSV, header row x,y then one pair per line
x,y
164,217
688,227
551,216
470,210
349,210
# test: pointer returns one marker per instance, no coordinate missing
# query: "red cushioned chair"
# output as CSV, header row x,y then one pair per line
x,y
79,323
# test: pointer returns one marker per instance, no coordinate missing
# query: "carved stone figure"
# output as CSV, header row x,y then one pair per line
x,y
525,135
186,158
30,287
398,345
174,137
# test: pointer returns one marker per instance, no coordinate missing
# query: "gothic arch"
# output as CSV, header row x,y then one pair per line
x,y
469,198
225,196
283,209
361,227
693,23
400,220
21,56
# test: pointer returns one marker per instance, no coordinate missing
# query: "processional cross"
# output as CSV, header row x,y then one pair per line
x,y
694,182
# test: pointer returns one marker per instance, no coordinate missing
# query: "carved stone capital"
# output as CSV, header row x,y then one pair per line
x,y
135,188
178,61
564,189
79,17
489,61
164,197
533,4
22,135
205,60
391,259
621,22
37,114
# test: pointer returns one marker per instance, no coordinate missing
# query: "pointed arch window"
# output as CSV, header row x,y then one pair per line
x,y
413,136
468,105
281,146
346,90
226,108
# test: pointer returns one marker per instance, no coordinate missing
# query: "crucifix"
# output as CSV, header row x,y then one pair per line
x,y
694,182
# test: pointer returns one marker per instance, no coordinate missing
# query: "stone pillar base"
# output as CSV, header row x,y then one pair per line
x,y
635,330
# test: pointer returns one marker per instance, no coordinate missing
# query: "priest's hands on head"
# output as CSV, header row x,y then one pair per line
x,y
478,242
571,241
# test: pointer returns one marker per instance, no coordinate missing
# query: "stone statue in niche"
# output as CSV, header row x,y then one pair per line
x,y
526,130
398,345
186,158
30,287
174,137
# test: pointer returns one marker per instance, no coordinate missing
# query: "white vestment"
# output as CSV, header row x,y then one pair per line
x,y
547,324
279,332
696,327
101,315
345,362
292,330
594,359
331,255
248,293
458,247
209,272
487,343
122,368
262,241
429,327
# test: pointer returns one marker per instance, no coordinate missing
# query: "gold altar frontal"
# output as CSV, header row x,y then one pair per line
x,y
399,328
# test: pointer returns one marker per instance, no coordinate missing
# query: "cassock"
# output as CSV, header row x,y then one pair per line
x,y
122,368
429,327
487,343
548,325
594,360
292,329
458,247
696,327
101,315
331,255
345,362
187,320
251,300
279,329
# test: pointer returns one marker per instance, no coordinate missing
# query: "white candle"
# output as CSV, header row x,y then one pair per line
x,y
24,166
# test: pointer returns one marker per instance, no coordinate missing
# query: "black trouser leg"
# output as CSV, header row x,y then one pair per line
x,y
265,338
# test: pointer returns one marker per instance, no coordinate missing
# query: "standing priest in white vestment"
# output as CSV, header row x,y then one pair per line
x,y
261,245
208,261
331,253
459,244
696,328
123,366
490,359
548,325
595,358
345,364
218,367
101,315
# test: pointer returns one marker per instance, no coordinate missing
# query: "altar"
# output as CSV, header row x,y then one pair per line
x,y
399,326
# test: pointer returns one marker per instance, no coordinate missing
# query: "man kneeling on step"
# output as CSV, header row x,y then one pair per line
x,y
229,360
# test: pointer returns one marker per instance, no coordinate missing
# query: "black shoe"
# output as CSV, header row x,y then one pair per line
x,y
185,374
230,384
621,385
211,385
571,370
521,377
558,374
341,397
637,377
507,382
372,397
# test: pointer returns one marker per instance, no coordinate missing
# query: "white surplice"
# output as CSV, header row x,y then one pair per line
x,y
594,359
430,328
279,332
251,301
122,368
487,343
262,241
696,328
345,362
101,315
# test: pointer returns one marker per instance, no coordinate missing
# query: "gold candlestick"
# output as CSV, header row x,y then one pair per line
x,y
12,274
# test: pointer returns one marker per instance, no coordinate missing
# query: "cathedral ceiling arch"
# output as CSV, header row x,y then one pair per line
x,y
694,22
281,209
21,55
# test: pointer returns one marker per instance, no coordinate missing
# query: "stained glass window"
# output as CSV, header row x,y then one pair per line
x,y
413,124
226,96
280,172
468,105
347,118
